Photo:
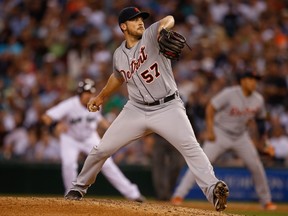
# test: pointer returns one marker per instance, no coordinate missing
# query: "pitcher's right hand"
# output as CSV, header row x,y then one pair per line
x,y
92,105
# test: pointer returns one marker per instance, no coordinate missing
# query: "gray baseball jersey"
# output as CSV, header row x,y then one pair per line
x,y
233,111
148,73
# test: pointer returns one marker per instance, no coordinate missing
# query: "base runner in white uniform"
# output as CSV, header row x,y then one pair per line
x,y
79,135
154,105
227,116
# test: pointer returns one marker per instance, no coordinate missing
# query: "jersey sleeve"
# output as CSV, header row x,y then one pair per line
x,y
59,111
221,99
152,33
116,71
262,113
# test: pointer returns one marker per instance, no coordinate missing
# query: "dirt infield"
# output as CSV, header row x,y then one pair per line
x,y
24,206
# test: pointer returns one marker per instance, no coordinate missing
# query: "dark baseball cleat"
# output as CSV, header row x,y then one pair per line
x,y
73,195
140,199
220,194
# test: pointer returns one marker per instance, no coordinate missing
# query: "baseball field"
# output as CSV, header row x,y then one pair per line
x,y
44,206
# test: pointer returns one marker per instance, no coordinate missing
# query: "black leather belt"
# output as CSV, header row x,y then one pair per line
x,y
163,100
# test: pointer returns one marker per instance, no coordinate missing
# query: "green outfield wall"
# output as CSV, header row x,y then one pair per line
x,y
40,179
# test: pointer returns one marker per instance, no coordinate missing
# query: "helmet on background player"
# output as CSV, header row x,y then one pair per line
x,y
86,85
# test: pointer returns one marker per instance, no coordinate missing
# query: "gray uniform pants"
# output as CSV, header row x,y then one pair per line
x,y
170,121
245,149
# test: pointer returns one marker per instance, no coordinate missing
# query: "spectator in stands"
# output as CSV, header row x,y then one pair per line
x,y
33,138
276,90
49,41
16,141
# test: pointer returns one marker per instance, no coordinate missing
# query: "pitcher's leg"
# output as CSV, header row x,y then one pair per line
x,y
212,150
115,137
119,181
89,172
248,153
175,127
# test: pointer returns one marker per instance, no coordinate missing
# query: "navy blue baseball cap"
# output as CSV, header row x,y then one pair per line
x,y
130,13
250,74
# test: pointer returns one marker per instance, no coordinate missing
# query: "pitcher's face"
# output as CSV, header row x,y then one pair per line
x,y
249,85
135,27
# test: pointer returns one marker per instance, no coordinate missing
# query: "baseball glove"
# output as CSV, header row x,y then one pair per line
x,y
171,44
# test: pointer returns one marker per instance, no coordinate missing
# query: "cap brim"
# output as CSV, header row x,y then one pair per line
x,y
144,15
254,77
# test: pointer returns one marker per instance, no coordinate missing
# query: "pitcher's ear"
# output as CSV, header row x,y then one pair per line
x,y
123,26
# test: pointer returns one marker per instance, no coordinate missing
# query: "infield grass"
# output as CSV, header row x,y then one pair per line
x,y
242,208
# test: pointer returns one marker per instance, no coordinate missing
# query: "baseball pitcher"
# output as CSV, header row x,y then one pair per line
x,y
154,104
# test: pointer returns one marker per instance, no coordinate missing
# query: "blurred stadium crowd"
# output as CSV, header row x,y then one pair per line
x,y
48,46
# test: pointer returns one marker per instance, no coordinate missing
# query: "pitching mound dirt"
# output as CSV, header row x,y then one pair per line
x,y
24,206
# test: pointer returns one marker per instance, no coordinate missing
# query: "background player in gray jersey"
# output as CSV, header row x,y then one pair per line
x,y
79,134
227,116
154,105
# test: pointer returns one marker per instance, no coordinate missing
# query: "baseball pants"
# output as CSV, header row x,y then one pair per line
x,y
170,121
245,149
